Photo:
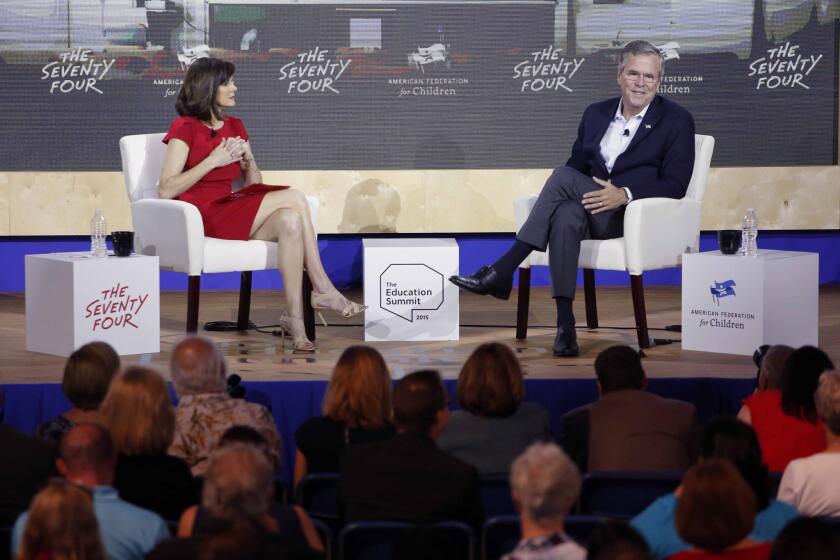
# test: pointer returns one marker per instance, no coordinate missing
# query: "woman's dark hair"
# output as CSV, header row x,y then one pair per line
x,y
197,97
806,538
490,383
799,381
729,438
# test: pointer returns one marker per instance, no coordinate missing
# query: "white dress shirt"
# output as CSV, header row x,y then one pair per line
x,y
618,136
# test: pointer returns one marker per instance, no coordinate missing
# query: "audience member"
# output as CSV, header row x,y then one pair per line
x,y
495,426
545,484
786,420
88,458
138,412
771,366
716,512
627,428
807,538
87,375
357,409
23,472
204,410
237,497
291,521
616,540
407,477
812,484
61,525
723,438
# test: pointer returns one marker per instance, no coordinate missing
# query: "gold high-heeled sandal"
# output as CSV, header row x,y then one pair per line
x,y
337,303
294,327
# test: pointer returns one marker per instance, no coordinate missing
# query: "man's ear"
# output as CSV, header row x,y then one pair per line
x,y
62,467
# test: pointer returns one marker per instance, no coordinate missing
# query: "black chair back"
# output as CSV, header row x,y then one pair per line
x,y
495,495
624,494
317,493
390,540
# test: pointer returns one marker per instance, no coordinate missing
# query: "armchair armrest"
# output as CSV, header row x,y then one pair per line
x,y
522,206
172,230
657,231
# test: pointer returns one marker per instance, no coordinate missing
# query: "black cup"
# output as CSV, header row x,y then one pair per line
x,y
729,241
123,242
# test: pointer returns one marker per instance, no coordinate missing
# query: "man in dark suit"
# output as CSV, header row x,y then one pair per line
x,y
635,146
407,478
627,428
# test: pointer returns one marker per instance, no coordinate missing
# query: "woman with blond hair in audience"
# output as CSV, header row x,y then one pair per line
x,y
495,425
87,374
715,513
357,409
61,526
138,412
786,420
812,484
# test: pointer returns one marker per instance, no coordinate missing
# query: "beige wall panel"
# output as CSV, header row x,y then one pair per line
x,y
5,212
421,201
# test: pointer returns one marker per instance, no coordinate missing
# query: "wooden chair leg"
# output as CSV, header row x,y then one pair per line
x,y
523,300
589,298
244,300
193,291
308,311
638,291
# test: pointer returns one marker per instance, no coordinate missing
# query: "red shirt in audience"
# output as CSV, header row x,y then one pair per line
x,y
758,552
782,438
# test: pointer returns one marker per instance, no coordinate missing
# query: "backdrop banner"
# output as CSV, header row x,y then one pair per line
x,y
414,84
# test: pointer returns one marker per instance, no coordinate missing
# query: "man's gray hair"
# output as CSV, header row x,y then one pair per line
x,y
545,483
827,399
239,482
638,48
197,366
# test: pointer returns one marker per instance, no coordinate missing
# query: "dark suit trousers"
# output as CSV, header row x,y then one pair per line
x,y
559,221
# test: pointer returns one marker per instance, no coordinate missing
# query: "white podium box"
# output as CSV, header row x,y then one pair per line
x,y
407,290
73,299
733,304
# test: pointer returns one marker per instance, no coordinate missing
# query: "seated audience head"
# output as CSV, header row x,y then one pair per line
x,y
138,412
490,383
799,381
772,365
728,438
616,540
359,393
197,366
88,455
618,368
420,402
827,402
245,435
716,508
545,484
239,483
88,373
807,538
61,525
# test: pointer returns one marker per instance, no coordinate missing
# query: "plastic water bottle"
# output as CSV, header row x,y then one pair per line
x,y
98,231
749,234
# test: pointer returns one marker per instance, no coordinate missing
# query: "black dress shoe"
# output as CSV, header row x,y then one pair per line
x,y
485,281
565,343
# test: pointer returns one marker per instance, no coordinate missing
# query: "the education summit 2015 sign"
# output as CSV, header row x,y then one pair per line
x,y
385,84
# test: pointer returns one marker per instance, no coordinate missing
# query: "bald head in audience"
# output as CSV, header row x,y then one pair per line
x,y
88,456
198,366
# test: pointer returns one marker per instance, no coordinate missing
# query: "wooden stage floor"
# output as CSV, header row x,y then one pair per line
x,y
258,356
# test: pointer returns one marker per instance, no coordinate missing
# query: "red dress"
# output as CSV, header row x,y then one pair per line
x,y
782,438
226,215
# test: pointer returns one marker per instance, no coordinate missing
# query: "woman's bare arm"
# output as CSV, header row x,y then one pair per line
x,y
174,180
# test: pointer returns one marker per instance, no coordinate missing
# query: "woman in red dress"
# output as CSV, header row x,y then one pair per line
x,y
206,152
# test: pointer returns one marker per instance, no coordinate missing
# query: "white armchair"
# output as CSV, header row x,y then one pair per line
x,y
657,232
173,230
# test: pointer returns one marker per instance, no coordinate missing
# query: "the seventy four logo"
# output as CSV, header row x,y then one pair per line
x,y
722,289
784,66
546,70
76,70
117,307
406,289
313,72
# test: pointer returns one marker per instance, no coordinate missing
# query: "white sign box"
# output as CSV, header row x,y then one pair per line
x,y
73,299
734,304
407,290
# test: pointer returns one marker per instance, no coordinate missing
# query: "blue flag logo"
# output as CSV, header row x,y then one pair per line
x,y
722,290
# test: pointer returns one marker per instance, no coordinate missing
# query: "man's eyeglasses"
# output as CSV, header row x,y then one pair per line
x,y
635,76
